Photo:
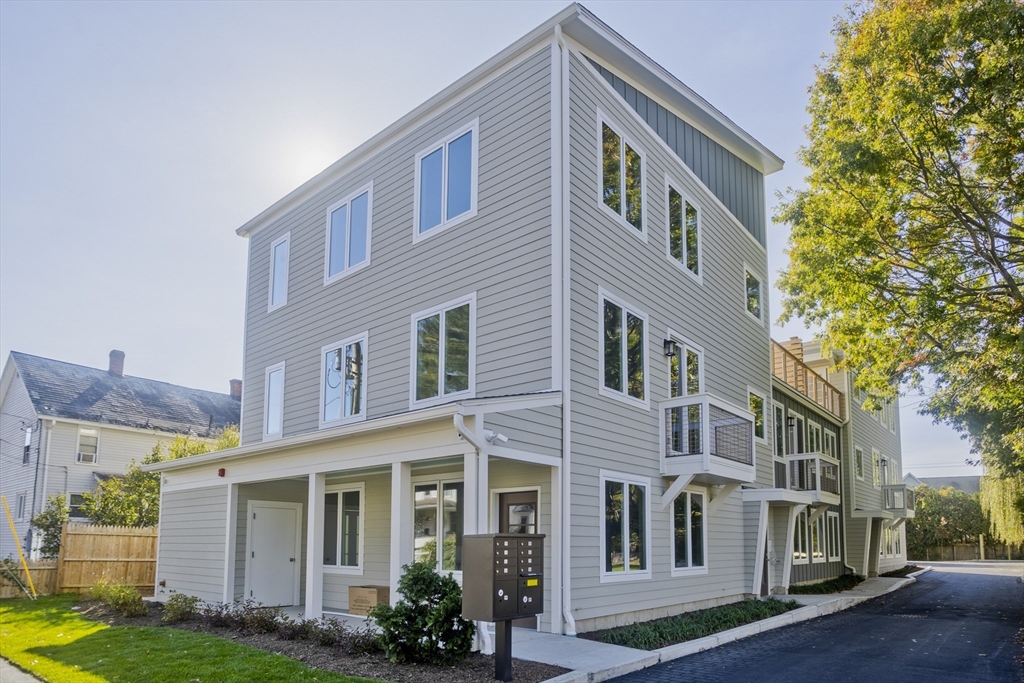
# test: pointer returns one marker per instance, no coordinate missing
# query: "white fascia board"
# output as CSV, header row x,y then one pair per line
x,y
461,87
643,72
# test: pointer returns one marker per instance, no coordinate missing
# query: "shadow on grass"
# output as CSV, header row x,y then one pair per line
x,y
52,610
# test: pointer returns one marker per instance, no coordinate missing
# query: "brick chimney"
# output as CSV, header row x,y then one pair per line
x,y
795,347
116,363
236,389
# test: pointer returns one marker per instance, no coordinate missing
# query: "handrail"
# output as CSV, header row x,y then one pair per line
x,y
797,375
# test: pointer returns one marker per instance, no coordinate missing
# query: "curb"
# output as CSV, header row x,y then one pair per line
x,y
690,647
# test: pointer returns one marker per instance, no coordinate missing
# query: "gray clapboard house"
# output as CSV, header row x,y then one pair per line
x,y
535,303
65,427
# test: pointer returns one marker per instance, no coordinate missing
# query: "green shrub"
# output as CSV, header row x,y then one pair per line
x,y
426,626
126,599
99,590
839,583
217,614
50,523
180,607
251,617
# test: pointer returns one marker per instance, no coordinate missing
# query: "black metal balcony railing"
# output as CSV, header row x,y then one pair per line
x,y
699,425
730,436
813,472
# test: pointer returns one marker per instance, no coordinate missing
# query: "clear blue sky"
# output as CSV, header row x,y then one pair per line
x,y
135,137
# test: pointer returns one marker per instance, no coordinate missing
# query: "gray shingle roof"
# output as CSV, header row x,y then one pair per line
x,y
60,389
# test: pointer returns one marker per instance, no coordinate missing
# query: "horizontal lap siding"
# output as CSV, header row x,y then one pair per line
x,y
534,431
276,491
609,434
503,254
191,545
17,412
376,544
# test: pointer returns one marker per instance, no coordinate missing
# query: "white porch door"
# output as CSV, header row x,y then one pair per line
x,y
273,562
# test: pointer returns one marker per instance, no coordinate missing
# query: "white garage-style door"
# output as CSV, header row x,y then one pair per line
x,y
272,550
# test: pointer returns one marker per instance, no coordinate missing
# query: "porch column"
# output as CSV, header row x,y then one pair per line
x,y
230,542
762,543
554,579
787,560
474,494
314,545
401,522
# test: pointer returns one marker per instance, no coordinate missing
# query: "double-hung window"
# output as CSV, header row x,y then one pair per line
x,y
876,469
26,451
752,291
343,388
88,446
689,534
779,423
623,356
625,511
444,343
278,295
622,178
800,539
76,503
858,462
757,407
273,402
438,524
683,231
818,540
686,370
833,536
348,234
813,437
828,444
446,181
343,528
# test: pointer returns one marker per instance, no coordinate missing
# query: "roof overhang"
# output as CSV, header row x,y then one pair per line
x,y
584,28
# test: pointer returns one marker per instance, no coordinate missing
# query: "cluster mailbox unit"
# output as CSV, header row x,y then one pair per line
x,y
502,580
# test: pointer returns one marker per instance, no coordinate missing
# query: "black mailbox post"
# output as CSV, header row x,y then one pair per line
x,y
502,580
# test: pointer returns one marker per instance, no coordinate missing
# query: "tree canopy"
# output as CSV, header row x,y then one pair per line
x,y
944,517
134,499
907,245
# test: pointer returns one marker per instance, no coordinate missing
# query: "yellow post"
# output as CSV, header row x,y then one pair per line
x,y
14,533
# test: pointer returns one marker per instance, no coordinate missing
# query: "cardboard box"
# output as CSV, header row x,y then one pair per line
x,y
361,599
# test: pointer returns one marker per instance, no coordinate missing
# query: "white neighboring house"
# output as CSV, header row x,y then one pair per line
x,y
65,427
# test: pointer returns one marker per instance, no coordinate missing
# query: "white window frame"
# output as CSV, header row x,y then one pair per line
x,y
356,570
435,310
682,346
690,570
474,182
814,429
78,446
266,400
760,288
764,414
26,451
348,270
70,497
858,470
19,507
287,239
440,481
799,428
819,524
801,525
777,409
645,403
671,183
620,218
626,480
892,415
828,435
832,526
363,337
876,468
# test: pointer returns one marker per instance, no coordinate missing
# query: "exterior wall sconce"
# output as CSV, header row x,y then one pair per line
x,y
670,348
790,421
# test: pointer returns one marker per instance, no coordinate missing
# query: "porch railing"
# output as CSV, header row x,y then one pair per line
x,y
898,497
792,371
815,472
695,425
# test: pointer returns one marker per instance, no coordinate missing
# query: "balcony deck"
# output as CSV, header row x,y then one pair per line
x,y
708,439
815,473
899,500
805,381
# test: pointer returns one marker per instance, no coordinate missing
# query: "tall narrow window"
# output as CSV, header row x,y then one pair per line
x,y
829,446
446,181
753,295
439,516
26,451
779,423
344,380
348,234
444,351
858,462
833,537
683,232
343,528
688,381
800,539
19,508
279,272
818,540
625,522
757,408
88,446
688,531
621,177
623,351
813,437
876,469
273,401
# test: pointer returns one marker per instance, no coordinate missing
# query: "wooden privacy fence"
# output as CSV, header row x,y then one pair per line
x,y
967,551
90,553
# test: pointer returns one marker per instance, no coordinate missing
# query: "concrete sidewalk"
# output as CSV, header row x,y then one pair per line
x,y
12,674
591,661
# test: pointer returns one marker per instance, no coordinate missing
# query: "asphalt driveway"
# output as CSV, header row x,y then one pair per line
x,y
957,624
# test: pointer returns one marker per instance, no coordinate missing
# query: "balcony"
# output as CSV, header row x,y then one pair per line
x,y
792,371
707,438
899,500
815,473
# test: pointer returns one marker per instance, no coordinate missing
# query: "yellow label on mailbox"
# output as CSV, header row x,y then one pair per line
x,y
531,582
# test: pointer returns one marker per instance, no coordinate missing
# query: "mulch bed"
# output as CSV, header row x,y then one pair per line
x,y
900,573
476,668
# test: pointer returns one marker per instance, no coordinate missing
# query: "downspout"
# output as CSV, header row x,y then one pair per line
x,y
481,451
39,461
46,462
560,193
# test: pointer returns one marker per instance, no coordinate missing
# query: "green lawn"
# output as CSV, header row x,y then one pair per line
x,y
46,638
